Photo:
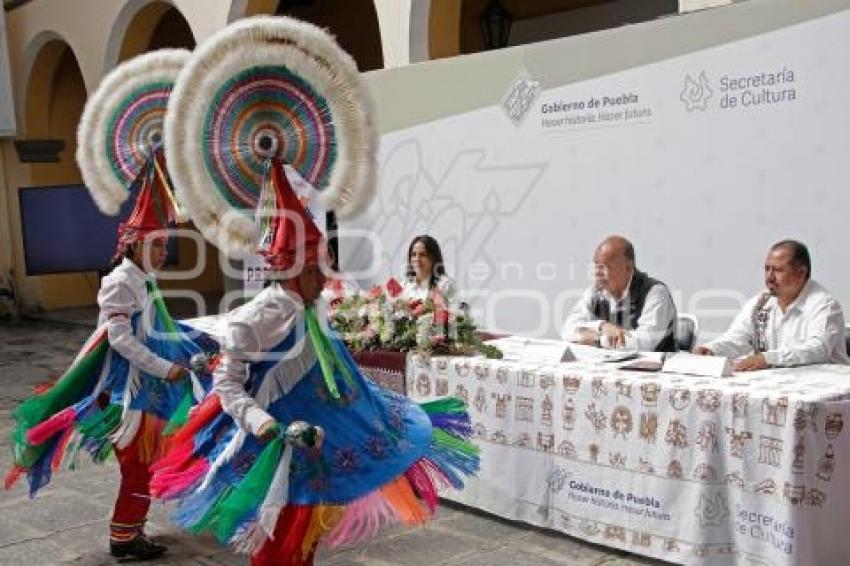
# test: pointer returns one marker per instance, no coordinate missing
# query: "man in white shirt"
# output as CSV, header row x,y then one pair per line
x,y
794,322
624,308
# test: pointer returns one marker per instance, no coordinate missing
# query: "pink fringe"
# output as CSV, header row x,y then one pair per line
x,y
12,477
419,477
440,479
44,431
177,472
170,485
361,520
176,459
61,448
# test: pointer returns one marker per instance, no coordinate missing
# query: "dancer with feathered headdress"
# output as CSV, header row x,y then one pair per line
x,y
140,369
296,446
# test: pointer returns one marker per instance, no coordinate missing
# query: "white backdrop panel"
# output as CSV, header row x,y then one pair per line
x,y
702,189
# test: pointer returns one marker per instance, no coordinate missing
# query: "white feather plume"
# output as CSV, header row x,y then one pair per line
x,y
109,190
312,54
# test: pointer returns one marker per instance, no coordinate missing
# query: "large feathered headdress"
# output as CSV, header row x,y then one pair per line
x,y
260,94
119,143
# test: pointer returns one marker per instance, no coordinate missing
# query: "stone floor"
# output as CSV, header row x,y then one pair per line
x,y
67,522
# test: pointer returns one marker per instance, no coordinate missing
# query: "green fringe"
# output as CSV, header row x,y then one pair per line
x,y
325,359
329,360
73,448
102,453
181,414
69,389
446,405
446,440
26,455
224,517
96,429
101,424
161,309
211,516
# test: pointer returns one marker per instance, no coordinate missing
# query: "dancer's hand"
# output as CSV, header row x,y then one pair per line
x,y
269,430
176,373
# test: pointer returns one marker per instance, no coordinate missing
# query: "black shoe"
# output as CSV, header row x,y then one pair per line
x,y
140,548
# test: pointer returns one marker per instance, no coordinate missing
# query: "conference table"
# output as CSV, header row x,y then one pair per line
x,y
751,469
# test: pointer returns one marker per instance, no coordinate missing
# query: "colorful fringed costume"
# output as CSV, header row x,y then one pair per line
x,y
132,380
380,456
103,397
261,95
383,457
115,395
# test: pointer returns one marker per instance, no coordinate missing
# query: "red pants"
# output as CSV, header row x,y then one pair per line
x,y
284,549
264,560
131,507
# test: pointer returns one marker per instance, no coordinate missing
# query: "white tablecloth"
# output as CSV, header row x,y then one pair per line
x,y
752,470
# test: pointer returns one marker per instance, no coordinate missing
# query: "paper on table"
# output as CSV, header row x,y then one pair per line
x,y
647,361
690,364
532,350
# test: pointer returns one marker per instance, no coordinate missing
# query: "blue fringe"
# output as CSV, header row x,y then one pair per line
x,y
40,473
455,464
192,509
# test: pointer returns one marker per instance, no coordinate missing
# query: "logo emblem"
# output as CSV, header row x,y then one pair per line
x,y
696,93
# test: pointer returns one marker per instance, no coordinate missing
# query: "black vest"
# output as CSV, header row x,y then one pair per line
x,y
638,290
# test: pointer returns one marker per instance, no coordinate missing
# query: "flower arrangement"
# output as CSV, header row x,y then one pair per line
x,y
382,319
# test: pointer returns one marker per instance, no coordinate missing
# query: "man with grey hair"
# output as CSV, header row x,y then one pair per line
x,y
793,322
624,308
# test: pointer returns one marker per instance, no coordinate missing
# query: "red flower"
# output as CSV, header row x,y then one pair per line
x,y
393,288
375,292
441,317
418,310
414,303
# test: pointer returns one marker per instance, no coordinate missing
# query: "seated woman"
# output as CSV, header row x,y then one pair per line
x,y
426,272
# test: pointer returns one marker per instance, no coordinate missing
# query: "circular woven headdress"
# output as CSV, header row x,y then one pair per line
x,y
263,90
122,124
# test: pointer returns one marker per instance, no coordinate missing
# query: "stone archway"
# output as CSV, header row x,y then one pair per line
x,y
145,25
54,101
363,41
55,94
157,25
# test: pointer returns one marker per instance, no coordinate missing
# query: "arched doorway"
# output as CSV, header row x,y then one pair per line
x,y
155,26
56,94
55,97
362,41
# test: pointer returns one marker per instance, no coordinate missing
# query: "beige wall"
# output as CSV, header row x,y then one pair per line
x,y
7,248
60,49
97,34
51,112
